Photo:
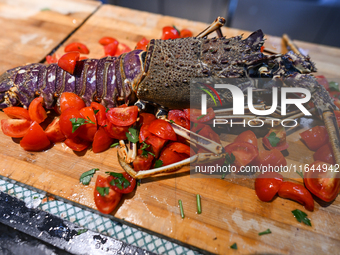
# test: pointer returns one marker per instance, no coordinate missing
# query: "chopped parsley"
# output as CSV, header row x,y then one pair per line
x,y
81,231
132,135
114,145
119,180
96,111
78,122
301,217
86,177
273,139
103,191
334,86
265,232
200,117
158,163
171,121
233,246
229,159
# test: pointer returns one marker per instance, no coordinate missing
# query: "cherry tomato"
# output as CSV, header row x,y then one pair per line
x,y
15,128
267,185
325,154
146,118
68,61
107,203
36,110
185,33
35,139
180,148
107,40
142,44
142,162
102,141
120,187
323,183
50,59
101,113
68,99
83,58
298,193
179,118
66,124
273,158
123,116
122,48
111,48
15,112
156,142
90,129
195,115
280,133
322,81
169,156
162,129
116,132
78,47
169,33
244,153
315,137
53,131
77,144
248,137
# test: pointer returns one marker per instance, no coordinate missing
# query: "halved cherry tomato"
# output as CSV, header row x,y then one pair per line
x,y
146,118
35,139
315,137
123,116
322,81
142,162
179,118
105,204
116,132
196,116
101,113
77,144
113,183
122,48
280,133
16,112
185,33
90,129
111,48
248,137
15,128
298,193
267,185
244,153
66,124
107,40
156,142
323,183
273,158
142,44
78,47
169,156
50,59
325,154
36,110
68,61
102,141
180,148
53,131
169,32
162,129
68,99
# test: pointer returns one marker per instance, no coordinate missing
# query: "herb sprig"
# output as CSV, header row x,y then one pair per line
x,y
86,177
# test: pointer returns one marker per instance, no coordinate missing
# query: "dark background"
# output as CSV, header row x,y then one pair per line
x,y
316,21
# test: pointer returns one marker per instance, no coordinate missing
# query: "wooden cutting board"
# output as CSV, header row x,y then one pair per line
x,y
231,212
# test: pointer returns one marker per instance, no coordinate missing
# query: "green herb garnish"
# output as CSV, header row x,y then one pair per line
x,y
35,197
265,232
334,86
171,121
229,159
119,181
81,231
181,208
85,178
77,122
144,151
200,117
195,124
273,139
223,176
107,109
300,173
114,145
45,9
198,201
158,163
301,217
95,111
234,246
132,135
176,29
103,191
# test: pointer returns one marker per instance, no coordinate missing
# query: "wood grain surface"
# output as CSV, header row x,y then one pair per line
x,y
231,212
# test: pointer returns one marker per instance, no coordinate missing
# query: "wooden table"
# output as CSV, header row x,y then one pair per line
x,y
231,210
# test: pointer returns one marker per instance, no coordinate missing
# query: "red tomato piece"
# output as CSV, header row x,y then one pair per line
x,y
248,137
78,47
322,81
298,193
36,110
142,44
169,156
315,137
322,183
66,124
146,118
15,128
195,115
179,117
53,131
111,48
123,116
35,139
280,133
88,130
68,61
83,58
107,203
207,132
122,48
142,162
185,33
244,153
15,112
77,144
113,180
267,185
169,32
270,158
180,148
101,113
50,59
325,154
156,142
162,129
102,141
116,132
68,99
337,116
107,40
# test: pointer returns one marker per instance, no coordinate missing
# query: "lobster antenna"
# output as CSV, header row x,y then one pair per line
x,y
215,26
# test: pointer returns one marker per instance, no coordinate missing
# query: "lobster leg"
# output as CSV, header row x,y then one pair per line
x,y
215,26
